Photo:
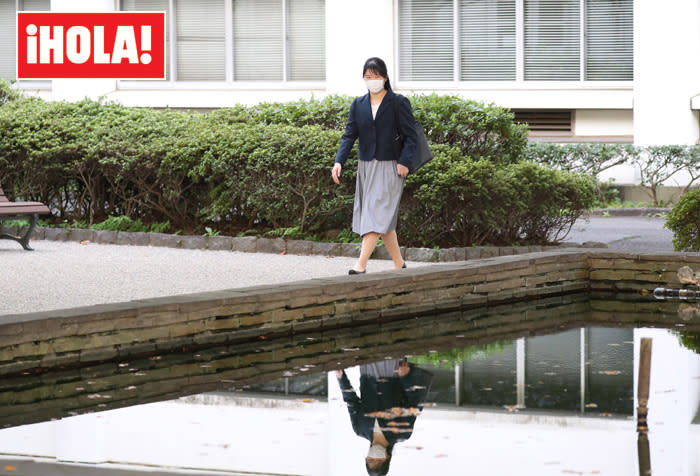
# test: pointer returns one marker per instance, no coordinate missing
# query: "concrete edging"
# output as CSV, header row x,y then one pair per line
x,y
282,246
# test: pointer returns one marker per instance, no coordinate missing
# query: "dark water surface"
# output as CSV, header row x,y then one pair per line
x,y
547,387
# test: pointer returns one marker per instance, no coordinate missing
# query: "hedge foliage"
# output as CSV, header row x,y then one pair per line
x,y
267,167
684,221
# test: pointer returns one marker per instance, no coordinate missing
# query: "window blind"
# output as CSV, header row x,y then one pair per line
x,y
609,40
200,40
153,6
552,40
306,52
487,40
35,5
257,40
7,39
8,34
426,40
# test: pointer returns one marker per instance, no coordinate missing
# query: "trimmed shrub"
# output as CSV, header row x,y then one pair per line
x,y
479,130
457,201
7,94
267,168
684,221
276,176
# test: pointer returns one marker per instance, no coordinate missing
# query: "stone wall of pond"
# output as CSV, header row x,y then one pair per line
x,y
100,333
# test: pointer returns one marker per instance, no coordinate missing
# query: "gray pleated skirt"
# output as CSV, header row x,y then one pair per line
x,y
377,196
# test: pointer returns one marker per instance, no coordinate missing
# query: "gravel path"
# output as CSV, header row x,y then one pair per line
x,y
59,275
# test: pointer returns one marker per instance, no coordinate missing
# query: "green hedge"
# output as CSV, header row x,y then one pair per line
x,y
684,222
267,168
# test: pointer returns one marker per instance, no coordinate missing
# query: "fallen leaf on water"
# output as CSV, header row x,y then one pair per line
x,y
644,292
10,468
486,389
609,372
591,405
283,253
308,400
605,414
614,345
85,242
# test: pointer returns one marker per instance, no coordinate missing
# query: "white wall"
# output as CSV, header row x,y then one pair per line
x,y
666,71
603,122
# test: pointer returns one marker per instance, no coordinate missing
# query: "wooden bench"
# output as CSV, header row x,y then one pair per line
x,y
21,211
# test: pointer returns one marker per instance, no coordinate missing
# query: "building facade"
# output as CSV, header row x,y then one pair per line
x,y
575,70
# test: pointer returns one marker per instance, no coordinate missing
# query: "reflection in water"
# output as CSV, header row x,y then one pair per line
x,y
544,388
392,394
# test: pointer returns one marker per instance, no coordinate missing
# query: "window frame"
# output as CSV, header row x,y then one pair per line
x,y
229,83
28,84
519,83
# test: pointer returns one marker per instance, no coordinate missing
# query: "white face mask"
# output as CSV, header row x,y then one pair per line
x,y
377,452
374,85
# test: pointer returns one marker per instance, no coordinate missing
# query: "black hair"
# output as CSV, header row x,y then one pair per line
x,y
377,65
384,468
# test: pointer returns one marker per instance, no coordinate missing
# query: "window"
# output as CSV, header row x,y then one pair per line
x,y
426,40
243,40
609,45
487,40
154,6
552,33
8,10
508,40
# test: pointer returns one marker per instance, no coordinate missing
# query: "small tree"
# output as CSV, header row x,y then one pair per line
x,y
658,164
684,221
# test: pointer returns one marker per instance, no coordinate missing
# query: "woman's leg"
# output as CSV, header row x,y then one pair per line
x,y
391,242
369,242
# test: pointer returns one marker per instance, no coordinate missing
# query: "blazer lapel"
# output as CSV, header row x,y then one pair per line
x,y
366,108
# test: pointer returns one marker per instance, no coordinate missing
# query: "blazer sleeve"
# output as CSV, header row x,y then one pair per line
x,y
361,425
416,386
349,136
407,127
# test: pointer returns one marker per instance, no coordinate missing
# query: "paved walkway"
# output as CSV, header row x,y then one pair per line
x,y
636,233
59,275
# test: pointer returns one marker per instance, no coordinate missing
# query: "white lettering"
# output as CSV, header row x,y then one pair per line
x,y
99,46
49,44
125,45
32,44
78,44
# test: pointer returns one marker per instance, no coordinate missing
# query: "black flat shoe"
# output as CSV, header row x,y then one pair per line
x,y
352,271
404,265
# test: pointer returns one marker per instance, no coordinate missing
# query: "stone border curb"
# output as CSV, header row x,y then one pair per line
x,y
627,212
251,244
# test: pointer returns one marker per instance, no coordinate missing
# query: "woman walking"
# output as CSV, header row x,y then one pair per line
x,y
378,119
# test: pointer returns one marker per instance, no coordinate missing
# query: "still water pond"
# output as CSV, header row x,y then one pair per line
x,y
547,388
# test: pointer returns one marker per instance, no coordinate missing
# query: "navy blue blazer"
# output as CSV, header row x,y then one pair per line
x,y
383,394
377,135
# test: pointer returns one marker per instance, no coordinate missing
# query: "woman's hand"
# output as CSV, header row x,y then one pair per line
x,y
402,170
335,173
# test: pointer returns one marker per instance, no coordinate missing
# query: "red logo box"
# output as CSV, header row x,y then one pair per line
x,y
116,45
